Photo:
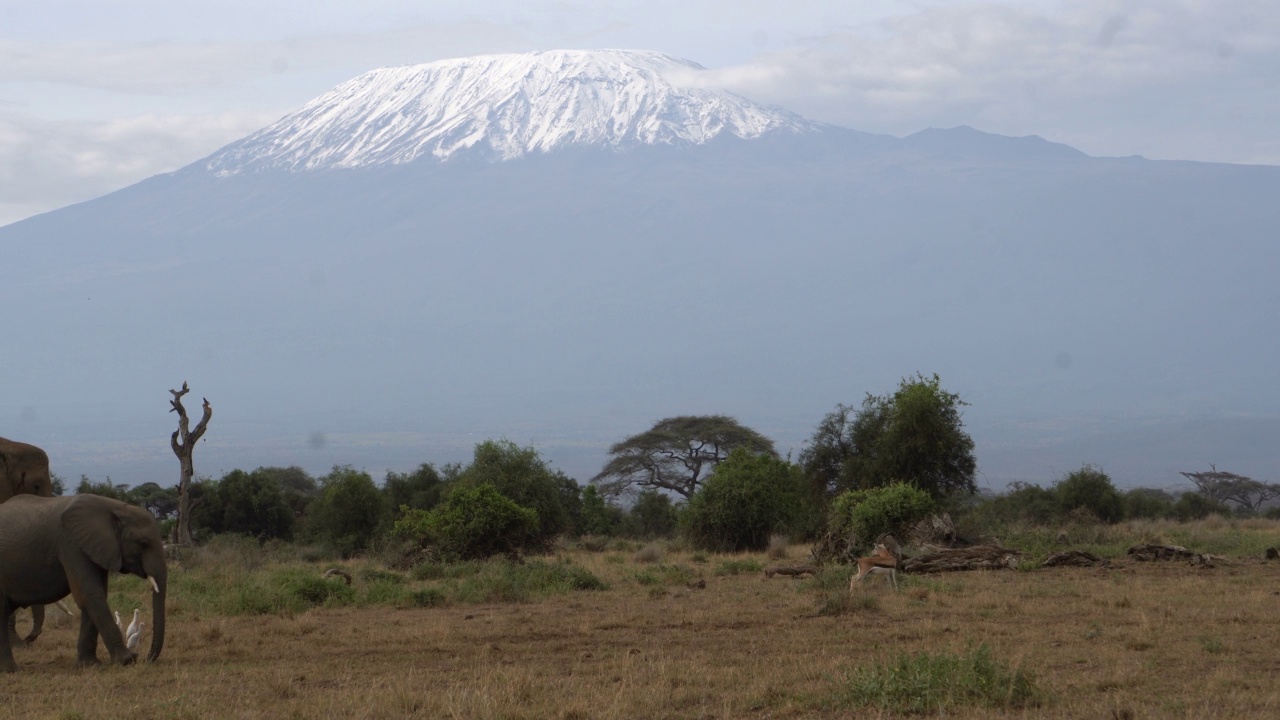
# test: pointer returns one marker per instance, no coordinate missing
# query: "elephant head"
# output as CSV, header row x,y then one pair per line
x,y
123,538
24,469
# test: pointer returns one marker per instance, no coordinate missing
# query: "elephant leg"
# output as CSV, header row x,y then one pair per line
x,y
13,637
37,623
6,648
87,644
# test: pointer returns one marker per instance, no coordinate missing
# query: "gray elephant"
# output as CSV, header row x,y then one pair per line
x,y
52,547
24,470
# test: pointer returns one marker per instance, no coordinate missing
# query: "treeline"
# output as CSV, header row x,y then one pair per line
x,y
867,469
348,512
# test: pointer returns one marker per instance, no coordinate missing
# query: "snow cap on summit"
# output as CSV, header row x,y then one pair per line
x,y
505,106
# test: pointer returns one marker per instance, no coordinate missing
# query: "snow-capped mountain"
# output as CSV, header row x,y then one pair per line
x,y
505,106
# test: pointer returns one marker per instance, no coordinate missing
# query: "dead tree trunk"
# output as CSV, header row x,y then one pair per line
x,y
183,442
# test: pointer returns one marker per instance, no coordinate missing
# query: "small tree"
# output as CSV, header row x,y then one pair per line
x,y
1222,487
524,477
348,511
183,441
915,435
749,497
676,454
1091,489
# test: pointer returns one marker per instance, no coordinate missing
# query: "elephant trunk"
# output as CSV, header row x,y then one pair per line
x,y
161,586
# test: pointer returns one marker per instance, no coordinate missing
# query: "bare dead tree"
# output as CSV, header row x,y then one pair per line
x,y
183,442
1223,487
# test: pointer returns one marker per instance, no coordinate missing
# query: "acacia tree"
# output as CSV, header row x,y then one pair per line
x,y
1222,487
915,435
677,454
184,442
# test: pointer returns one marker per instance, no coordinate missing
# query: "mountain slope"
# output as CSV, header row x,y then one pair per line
x,y
504,106
391,313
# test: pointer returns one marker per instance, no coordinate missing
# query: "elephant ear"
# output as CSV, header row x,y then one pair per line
x,y
91,521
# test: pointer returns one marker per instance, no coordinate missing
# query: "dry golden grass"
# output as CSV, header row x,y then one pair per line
x,y
1136,640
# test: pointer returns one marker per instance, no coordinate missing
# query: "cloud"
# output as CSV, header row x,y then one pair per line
x,y
46,164
1114,77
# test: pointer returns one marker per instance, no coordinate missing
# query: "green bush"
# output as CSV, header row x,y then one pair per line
x,y
937,684
747,499
473,522
1091,489
865,515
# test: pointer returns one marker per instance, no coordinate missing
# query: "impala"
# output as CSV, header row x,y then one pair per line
x,y
880,561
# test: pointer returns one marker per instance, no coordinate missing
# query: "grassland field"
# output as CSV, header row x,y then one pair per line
x,y
661,632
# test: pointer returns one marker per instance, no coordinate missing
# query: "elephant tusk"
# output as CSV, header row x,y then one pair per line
x,y
154,587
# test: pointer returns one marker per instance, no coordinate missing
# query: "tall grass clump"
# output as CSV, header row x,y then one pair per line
x,y
935,684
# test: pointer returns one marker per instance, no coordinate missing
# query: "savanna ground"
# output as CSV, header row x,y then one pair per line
x,y
1134,640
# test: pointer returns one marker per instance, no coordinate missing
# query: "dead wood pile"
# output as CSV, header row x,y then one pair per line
x,y
1146,552
1074,558
934,530
793,571
978,557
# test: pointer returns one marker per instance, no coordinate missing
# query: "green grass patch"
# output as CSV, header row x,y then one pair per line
x,y
663,575
936,684
504,581
738,567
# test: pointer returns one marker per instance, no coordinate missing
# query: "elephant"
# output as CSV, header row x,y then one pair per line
x,y
24,470
55,546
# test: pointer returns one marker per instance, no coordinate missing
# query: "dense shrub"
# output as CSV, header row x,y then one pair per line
x,y
1091,489
420,489
1194,506
748,498
473,522
247,504
1147,504
598,517
652,515
865,515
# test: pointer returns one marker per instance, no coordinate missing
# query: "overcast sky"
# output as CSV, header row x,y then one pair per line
x,y
95,96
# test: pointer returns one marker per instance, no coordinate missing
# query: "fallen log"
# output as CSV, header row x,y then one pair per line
x,y
978,557
793,571
1074,558
1145,552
